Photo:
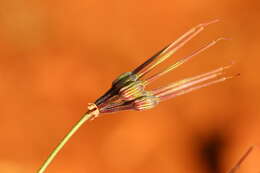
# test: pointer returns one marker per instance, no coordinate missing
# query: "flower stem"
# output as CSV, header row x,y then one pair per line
x,y
90,114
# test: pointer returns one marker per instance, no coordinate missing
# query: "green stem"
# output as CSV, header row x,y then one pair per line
x,y
50,158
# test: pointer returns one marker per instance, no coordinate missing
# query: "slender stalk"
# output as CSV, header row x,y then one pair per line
x,y
90,114
241,160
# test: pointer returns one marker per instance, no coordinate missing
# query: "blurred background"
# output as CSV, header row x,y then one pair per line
x,y
57,56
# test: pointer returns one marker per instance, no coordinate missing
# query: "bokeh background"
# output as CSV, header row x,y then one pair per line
x,y
58,55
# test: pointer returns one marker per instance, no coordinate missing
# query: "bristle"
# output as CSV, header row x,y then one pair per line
x,y
178,92
184,81
235,75
173,47
190,34
183,60
189,84
241,160
149,61
211,22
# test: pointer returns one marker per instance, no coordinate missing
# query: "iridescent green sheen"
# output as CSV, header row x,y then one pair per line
x,y
124,78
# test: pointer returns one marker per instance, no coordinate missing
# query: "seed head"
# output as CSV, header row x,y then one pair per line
x,y
128,91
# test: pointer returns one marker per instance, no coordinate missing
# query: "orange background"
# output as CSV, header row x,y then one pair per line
x,y
56,56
